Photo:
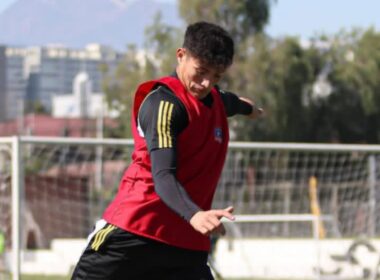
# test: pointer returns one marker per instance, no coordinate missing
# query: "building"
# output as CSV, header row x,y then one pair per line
x,y
2,83
36,74
13,87
82,102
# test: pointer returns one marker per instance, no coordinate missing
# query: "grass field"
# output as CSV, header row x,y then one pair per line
x,y
41,277
34,277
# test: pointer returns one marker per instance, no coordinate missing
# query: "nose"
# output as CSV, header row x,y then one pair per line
x,y
206,83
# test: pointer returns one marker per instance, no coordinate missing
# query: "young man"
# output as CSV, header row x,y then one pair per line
x,y
159,223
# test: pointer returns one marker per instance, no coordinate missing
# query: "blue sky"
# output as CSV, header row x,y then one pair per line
x,y
306,18
5,3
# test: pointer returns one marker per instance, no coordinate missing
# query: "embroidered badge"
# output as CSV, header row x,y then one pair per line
x,y
218,135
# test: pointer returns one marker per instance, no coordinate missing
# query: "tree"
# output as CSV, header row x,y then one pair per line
x,y
350,113
241,18
275,75
119,87
157,59
355,78
35,107
279,74
161,43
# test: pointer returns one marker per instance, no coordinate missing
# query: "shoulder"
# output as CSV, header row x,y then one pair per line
x,y
160,94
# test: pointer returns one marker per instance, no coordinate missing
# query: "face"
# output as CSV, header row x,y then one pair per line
x,y
197,77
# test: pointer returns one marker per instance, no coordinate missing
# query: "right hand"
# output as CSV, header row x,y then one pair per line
x,y
208,222
256,112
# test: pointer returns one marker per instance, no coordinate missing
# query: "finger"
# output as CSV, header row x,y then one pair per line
x,y
204,230
229,209
223,213
256,112
215,221
209,225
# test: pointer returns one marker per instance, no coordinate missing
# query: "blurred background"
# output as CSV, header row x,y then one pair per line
x,y
69,68
313,65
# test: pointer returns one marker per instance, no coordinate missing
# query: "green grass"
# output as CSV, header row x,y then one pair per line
x,y
44,277
40,277
8,276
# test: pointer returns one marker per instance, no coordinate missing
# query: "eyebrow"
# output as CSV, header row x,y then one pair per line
x,y
202,68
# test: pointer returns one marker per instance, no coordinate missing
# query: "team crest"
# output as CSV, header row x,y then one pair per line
x,y
218,135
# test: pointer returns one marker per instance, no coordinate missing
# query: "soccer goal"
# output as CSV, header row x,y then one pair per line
x,y
298,206
301,205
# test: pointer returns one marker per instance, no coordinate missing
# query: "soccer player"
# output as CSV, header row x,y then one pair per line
x,y
159,223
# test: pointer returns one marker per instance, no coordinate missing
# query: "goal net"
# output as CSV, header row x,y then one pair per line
x,y
303,206
296,204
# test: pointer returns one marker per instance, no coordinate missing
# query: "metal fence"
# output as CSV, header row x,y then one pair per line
x,y
58,187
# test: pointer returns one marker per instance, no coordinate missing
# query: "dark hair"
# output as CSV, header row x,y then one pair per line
x,y
210,43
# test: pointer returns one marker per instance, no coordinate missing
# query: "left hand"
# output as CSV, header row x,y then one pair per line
x,y
208,222
256,112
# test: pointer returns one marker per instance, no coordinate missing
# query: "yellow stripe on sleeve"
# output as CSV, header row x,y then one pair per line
x,y
168,127
164,125
165,112
159,132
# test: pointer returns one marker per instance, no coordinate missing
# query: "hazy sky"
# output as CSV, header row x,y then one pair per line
x,y
5,3
307,17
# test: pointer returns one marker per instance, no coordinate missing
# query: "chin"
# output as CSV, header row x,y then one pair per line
x,y
199,95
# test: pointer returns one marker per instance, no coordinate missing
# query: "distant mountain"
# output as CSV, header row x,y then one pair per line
x,y
75,23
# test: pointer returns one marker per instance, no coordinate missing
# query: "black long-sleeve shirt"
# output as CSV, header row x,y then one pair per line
x,y
163,159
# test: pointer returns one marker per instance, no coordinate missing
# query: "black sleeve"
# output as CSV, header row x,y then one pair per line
x,y
166,185
233,105
162,117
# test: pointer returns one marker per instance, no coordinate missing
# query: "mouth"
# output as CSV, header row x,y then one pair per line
x,y
199,90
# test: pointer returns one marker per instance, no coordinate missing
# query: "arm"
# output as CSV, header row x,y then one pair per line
x,y
172,193
163,160
163,107
234,105
176,197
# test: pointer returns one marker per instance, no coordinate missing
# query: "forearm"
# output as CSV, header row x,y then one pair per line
x,y
172,193
234,105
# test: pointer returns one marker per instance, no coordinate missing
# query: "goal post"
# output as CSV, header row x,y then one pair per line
x,y
287,197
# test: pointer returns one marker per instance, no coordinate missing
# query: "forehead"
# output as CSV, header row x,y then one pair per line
x,y
198,63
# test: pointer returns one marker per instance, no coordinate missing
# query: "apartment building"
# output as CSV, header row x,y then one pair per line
x,y
36,74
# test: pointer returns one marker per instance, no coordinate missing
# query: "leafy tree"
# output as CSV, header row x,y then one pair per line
x,y
119,87
275,75
157,59
161,43
241,18
352,110
35,107
279,74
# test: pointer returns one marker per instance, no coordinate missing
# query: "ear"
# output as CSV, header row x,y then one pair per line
x,y
181,52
